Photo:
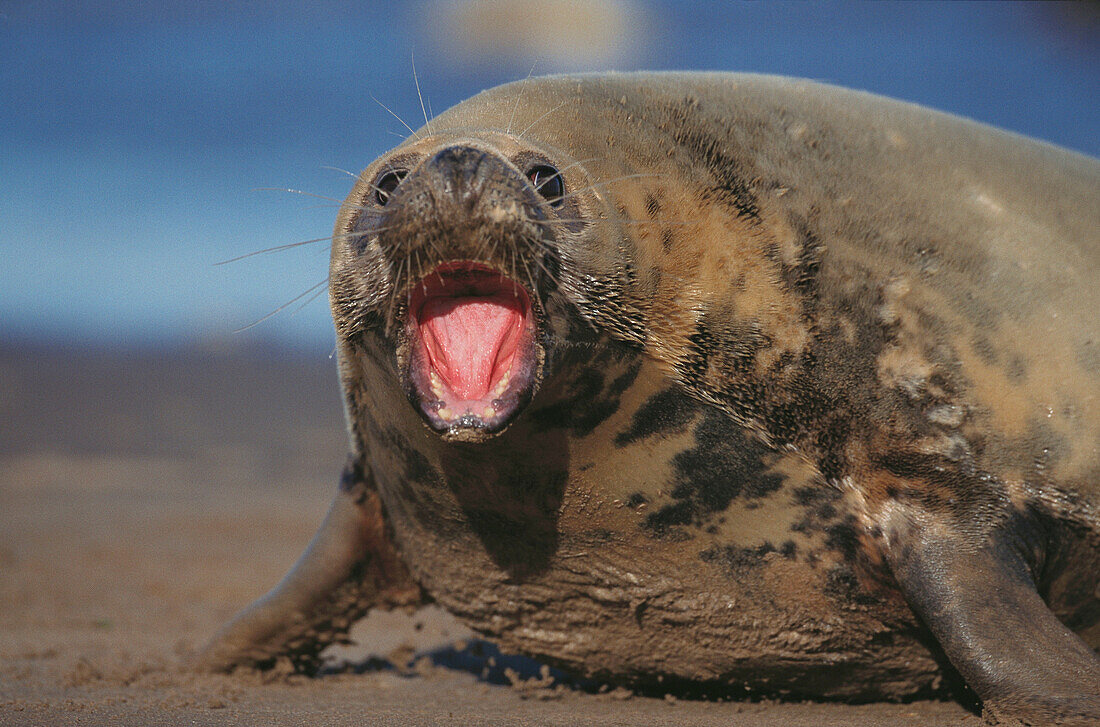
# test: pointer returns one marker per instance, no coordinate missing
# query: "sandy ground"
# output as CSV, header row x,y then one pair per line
x,y
144,498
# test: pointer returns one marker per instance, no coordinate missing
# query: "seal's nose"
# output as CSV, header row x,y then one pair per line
x,y
463,172
461,202
458,157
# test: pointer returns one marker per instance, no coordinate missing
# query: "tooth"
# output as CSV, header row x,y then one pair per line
x,y
489,413
503,384
446,414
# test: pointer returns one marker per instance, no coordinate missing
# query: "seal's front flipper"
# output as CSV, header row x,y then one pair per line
x,y
350,566
980,601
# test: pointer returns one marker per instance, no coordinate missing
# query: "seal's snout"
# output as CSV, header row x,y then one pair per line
x,y
462,172
464,226
462,203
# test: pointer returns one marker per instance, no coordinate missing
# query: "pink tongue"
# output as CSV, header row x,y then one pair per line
x,y
467,338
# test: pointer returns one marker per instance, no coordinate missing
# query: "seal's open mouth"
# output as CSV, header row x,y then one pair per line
x,y
474,357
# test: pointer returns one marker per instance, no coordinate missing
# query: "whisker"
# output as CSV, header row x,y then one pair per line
x,y
574,164
534,288
289,245
493,252
532,124
387,108
284,306
364,233
607,182
288,190
345,171
277,248
537,241
514,275
558,173
427,121
340,204
420,269
431,242
296,191
320,291
519,96
394,285
327,206
537,259
627,221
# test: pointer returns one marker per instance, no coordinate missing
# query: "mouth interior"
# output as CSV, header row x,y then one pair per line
x,y
473,323
471,339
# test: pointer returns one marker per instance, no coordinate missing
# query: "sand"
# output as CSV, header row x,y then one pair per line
x,y
146,496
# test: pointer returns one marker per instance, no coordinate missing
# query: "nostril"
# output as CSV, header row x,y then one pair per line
x,y
386,184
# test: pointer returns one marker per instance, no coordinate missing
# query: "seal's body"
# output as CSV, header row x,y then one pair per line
x,y
721,378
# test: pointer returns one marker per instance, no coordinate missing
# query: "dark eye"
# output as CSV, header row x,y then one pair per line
x,y
388,182
548,182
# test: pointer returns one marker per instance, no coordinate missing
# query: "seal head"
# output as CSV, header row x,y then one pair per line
x,y
451,258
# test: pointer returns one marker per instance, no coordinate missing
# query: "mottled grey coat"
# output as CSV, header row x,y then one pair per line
x,y
819,396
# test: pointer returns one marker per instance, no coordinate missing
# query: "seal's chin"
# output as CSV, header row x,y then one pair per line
x,y
473,359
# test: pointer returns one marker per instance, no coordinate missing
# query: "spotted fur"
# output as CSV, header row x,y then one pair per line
x,y
804,348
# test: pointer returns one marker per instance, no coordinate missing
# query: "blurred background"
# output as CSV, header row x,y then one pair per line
x,y
159,469
138,139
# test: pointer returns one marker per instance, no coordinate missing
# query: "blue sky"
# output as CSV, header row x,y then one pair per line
x,y
135,137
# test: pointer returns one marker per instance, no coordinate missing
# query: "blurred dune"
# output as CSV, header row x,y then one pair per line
x,y
557,35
